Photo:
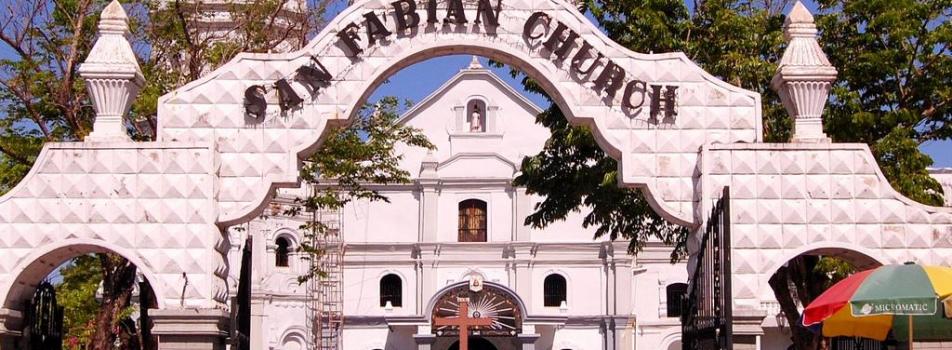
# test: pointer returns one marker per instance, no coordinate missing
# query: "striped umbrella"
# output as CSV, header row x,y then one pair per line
x,y
871,303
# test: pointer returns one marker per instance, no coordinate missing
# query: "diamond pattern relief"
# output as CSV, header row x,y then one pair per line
x,y
125,197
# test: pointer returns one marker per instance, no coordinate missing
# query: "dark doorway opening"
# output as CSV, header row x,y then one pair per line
x,y
475,343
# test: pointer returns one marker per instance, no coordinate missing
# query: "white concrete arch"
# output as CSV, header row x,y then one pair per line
x,y
862,257
624,133
669,340
288,233
293,338
42,260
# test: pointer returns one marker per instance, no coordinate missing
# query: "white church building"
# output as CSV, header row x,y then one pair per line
x,y
462,219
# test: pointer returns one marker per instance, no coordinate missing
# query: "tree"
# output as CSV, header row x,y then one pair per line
x,y
77,295
892,93
350,163
43,99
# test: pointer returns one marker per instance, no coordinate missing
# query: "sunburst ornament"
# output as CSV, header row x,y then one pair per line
x,y
489,302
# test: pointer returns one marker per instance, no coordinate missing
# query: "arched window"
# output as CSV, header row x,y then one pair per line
x,y
472,221
281,252
391,289
674,293
554,290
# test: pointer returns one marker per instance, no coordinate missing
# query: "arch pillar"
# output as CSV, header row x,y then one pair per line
x,y
424,337
190,329
11,324
526,340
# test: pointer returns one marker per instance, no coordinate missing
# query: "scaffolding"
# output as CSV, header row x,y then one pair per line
x,y
325,294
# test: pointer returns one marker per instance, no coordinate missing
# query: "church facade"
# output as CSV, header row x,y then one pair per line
x,y
461,221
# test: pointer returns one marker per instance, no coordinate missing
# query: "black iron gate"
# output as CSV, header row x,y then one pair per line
x,y
241,307
706,318
45,319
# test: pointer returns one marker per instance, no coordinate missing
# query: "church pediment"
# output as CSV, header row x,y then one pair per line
x,y
476,166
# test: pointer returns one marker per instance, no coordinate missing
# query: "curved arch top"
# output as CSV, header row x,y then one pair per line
x,y
455,286
44,259
622,95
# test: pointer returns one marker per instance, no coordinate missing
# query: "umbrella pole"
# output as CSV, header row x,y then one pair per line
x,y
910,332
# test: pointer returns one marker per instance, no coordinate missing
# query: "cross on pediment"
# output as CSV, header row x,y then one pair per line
x,y
463,322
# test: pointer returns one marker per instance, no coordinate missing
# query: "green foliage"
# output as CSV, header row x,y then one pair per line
x,y
41,97
573,173
895,83
77,292
348,165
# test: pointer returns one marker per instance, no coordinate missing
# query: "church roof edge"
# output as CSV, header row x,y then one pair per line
x,y
469,71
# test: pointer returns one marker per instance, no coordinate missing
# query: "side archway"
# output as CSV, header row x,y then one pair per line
x,y
43,260
860,257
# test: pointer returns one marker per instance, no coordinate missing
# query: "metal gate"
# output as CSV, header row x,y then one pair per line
x,y
45,319
851,343
706,319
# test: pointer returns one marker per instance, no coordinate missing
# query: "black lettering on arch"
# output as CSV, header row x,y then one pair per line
x,y
454,12
558,44
582,55
405,11
375,28
610,79
532,22
484,8
349,36
631,89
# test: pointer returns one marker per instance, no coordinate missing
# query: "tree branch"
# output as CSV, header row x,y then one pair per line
x,y
12,155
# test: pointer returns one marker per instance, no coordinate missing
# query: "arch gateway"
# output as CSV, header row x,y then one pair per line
x,y
226,142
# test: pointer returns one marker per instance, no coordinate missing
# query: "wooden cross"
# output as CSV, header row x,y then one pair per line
x,y
463,321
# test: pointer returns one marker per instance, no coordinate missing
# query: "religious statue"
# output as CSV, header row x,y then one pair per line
x,y
475,120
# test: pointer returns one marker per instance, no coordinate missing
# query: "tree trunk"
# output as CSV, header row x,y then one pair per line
x,y
119,277
803,339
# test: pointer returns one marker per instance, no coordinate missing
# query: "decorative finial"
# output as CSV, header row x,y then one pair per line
x,y
474,63
112,75
804,76
429,165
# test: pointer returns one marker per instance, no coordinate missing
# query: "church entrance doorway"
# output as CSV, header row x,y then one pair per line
x,y
485,315
475,344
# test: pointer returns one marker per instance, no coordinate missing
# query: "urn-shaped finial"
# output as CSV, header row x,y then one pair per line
x,y
804,76
112,74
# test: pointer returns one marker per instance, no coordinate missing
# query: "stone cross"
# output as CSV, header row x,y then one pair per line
x,y
463,321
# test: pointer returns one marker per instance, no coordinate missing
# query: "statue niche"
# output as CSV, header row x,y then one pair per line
x,y
476,116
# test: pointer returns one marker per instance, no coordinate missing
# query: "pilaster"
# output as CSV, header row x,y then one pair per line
x,y
429,198
526,340
190,329
11,325
424,338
